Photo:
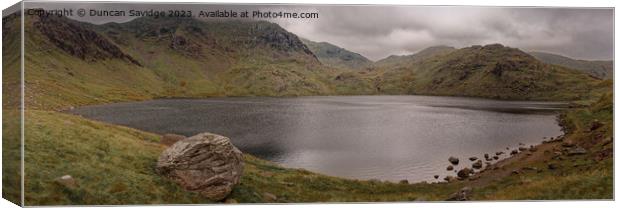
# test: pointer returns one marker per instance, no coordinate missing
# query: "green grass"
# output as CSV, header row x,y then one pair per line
x,y
115,165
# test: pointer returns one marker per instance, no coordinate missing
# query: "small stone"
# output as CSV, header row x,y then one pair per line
x,y
462,195
67,181
449,168
496,157
486,155
522,149
473,159
595,125
436,176
577,151
477,164
464,173
568,144
514,152
453,160
499,153
449,178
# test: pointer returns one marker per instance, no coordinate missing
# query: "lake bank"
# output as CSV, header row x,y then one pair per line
x,y
402,137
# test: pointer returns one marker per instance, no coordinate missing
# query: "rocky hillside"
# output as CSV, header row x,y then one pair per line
x,y
74,63
338,57
492,71
148,58
598,69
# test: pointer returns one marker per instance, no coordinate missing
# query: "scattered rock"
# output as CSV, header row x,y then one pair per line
x,y
477,164
533,149
170,139
568,144
269,197
462,195
404,181
449,168
464,173
552,166
577,151
522,149
475,177
453,160
205,163
449,178
514,152
67,181
496,157
499,153
436,176
486,155
473,159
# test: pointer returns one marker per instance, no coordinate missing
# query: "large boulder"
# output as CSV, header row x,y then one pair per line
x,y
170,139
205,163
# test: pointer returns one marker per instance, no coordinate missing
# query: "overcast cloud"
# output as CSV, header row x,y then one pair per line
x,y
379,31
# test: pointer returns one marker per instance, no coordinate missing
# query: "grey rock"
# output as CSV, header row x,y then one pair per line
x,y
205,163
577,151
473,159
436,176
462,195
67,181
449,168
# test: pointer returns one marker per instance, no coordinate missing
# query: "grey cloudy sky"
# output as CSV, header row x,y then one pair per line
x,y
379,31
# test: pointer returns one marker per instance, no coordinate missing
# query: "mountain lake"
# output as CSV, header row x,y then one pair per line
x,y
359,137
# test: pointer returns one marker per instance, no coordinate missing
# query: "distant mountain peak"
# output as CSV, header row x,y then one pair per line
x,y
335,56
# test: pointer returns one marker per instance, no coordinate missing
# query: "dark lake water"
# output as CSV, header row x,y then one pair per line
x,y
364,137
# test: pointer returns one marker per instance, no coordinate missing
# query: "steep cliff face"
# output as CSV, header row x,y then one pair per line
x,y
77,40
334,56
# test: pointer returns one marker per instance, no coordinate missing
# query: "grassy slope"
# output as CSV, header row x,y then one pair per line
x,y
115,165
53,137
472,71
588,176
599,69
